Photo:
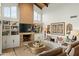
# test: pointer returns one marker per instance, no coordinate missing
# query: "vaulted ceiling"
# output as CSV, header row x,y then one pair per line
x,y
41,5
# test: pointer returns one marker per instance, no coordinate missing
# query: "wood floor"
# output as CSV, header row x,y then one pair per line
x,y
20,51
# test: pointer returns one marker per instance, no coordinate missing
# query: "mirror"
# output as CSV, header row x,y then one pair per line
x,y
68,28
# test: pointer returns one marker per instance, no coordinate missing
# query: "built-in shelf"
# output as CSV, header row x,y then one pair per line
x,y
10,28
10,34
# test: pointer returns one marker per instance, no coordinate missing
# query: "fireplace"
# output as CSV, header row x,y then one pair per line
x,y
26,38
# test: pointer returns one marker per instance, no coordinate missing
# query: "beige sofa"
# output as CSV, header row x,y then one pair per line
x,y
73,48
74,51
53,52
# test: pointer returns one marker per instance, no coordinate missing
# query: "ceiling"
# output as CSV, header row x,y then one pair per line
x,y
41,5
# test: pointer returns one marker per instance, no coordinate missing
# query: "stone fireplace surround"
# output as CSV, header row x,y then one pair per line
x,y
25,37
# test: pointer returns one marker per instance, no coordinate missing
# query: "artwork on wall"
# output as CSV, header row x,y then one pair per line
x,y
37,28
58,28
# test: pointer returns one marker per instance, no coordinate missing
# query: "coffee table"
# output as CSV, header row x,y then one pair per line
x,y
36,50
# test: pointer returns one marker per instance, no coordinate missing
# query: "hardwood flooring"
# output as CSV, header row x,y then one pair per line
x,y
20,51
8,52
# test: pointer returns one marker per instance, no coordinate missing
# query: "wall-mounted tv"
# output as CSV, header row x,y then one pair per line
x,y
25,27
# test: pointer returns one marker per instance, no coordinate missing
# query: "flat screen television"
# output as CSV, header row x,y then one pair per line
x,y
25,27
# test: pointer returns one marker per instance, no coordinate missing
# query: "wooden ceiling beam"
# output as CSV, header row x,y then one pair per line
x,y
46,4
38,5
41,5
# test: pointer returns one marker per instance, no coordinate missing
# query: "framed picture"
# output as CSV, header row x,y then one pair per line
x,y
37,28
58,28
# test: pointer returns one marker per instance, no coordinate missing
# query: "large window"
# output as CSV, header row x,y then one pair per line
x,y
14,12
37,16
6,12
10,12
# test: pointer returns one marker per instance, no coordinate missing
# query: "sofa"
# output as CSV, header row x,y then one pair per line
x,y
53,52
73,48
74,51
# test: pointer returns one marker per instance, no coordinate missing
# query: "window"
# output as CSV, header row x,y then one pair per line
x,y
14,12
6,12
37,16
10,12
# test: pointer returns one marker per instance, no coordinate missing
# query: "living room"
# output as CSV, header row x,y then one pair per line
x,y
39,29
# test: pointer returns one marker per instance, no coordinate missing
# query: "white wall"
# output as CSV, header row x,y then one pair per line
x,y
58,12
0,9
0,33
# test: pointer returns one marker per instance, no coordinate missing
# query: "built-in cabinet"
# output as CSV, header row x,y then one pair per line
x,y
10,34
10,41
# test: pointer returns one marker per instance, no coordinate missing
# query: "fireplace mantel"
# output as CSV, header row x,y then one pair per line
x,y
27,33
